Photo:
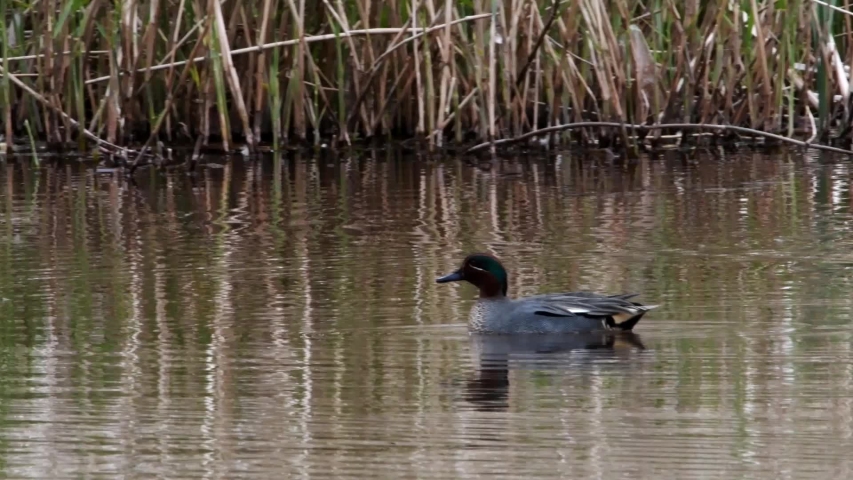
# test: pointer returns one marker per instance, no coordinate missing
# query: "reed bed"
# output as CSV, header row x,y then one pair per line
x,y
244,73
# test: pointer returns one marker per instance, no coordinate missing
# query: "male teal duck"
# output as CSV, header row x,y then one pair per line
x,y
569,312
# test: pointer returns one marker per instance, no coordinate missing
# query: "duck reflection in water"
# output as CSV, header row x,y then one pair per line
x,y
495,355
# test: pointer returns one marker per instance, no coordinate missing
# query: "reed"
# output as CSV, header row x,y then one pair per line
x,y
466,71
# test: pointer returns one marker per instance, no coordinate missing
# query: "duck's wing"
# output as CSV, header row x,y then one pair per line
x,y
615,310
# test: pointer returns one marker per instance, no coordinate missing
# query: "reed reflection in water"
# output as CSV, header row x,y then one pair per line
x,y
280,318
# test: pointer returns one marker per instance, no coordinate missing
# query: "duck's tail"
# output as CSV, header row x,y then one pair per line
x,y
627,320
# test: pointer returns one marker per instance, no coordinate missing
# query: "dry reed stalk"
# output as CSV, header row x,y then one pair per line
x,y
46,83
492,93
340,18
477,112
314,108
6,91
429,88
65,102
149,36
299,68
172,46
848,29
645,72
762,61
231,73
128,54
111,97
522,79
419,89
368,55
505,41
267,12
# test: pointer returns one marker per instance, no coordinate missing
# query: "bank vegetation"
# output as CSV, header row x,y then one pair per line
x,y
242,73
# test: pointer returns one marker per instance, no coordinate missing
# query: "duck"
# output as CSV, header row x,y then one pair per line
x,y
552,313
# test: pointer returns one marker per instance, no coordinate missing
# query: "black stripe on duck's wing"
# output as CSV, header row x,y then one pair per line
x,y
545,308
571,306
552,311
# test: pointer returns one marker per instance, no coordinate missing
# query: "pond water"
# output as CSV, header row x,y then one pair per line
x,y
280,318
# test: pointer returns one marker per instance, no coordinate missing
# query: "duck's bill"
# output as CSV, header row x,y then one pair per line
x,y
452,277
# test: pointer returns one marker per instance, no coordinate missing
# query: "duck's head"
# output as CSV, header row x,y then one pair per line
x,y
482,270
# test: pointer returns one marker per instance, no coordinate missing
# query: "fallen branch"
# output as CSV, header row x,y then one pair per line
x,y
647,128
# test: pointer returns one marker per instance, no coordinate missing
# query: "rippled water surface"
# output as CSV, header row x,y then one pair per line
x,y
280,319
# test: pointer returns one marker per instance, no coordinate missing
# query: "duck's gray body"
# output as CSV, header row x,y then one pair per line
x,y
571,312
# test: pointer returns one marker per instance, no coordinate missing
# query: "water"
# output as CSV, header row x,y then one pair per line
x,y
276,320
